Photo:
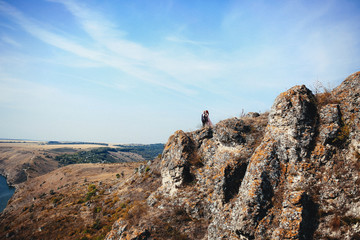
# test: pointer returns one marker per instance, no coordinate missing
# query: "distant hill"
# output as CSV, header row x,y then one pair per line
x,y
22,160
98,155
148,152
123,153
75,143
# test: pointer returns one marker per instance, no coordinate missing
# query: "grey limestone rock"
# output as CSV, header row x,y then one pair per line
x,y
291,174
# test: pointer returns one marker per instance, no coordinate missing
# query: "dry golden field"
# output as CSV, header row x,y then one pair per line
x,y
23,160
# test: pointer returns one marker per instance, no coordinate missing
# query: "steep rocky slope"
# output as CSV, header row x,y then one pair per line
x,y
18,164
289,174
79,201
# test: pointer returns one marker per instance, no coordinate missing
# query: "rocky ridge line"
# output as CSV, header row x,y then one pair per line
x,y
291,174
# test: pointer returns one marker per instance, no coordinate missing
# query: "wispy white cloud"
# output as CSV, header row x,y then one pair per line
x,y
313,41
51,38
177,69
171,70
8,40
182,69
15,92
129,57
187,41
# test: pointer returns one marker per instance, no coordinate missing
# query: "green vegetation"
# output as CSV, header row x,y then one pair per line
x,y
74,143
56,200
343,133
148,152
103,154
97,210
91,192
98,155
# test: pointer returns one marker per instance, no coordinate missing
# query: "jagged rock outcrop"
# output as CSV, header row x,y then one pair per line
x,y
291,174
211,160
277,169
175,166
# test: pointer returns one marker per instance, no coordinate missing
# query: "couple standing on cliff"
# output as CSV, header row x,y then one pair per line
x,y
205,119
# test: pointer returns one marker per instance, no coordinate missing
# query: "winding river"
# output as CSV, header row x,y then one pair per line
x,y
5,193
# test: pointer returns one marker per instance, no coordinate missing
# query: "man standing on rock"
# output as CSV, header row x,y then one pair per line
x,y
205,119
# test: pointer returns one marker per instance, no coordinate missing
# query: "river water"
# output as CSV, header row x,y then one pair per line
x,y
5,193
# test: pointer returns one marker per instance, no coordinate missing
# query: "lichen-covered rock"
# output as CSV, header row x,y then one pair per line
x,y
291,174
121,231
278,165
175,165
331,123
252,114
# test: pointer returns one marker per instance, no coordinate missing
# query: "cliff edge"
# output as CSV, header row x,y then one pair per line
x,y
289,174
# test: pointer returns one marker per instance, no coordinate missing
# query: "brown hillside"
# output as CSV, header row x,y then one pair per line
x,y
79,201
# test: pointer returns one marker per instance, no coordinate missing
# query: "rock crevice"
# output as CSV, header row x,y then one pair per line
x,y
291,174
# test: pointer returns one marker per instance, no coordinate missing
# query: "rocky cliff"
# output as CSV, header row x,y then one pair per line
x,y
290,174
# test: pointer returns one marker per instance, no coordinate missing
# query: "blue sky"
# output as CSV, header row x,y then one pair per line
x,y
130,71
